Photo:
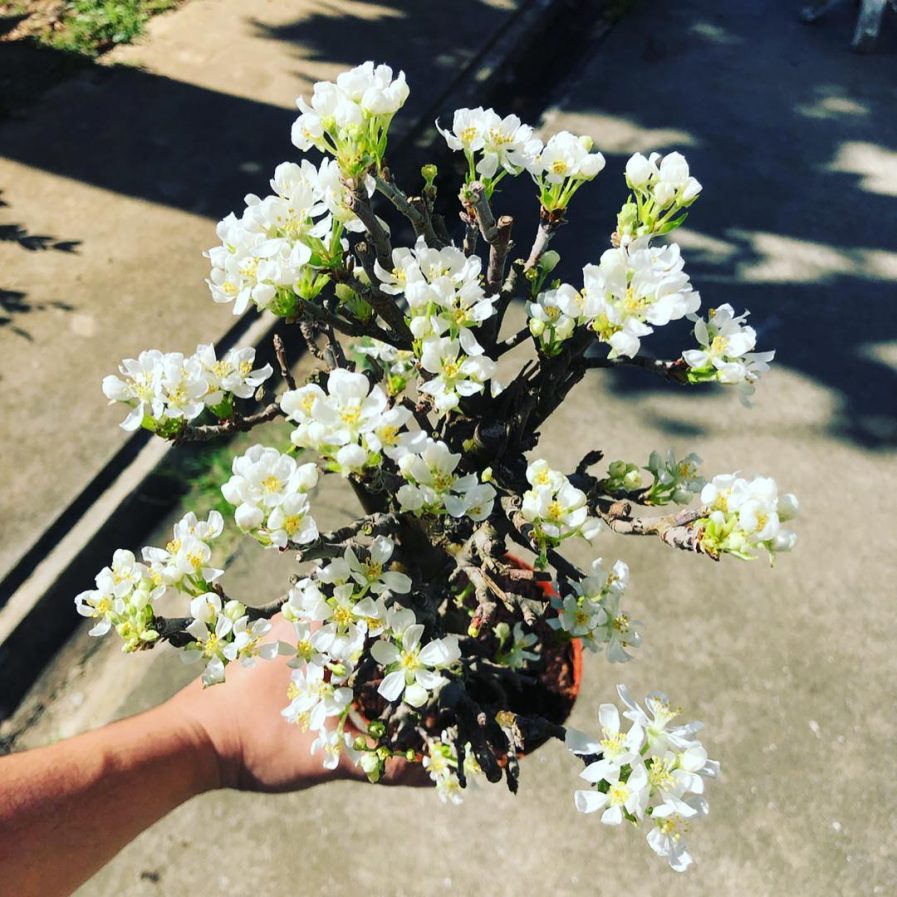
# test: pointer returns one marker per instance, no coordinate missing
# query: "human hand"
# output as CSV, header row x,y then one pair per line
x,y
239,723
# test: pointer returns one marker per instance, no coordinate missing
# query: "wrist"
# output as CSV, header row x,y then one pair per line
x,y
204,748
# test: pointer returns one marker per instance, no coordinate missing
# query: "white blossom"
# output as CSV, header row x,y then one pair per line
x,y
441,763
592,612
269,491
443,290
493,145
675,479
332,743
163,390
185,561
455,375
433,486
651,775
122,600
662,188
314,698
234,373
411,669
346,424
745,515
634,289
554,315
214,629
726,354
561,166
350,118
166,390
555,508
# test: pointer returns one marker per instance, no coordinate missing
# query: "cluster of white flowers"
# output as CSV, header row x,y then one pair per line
x,y
125,590
122,600
556,313
336,612
726,354
745,515
592,612
223,634
349,425
561,166
494,146
433,487
662,187
446,303
270,493
165,390
556,509
634,289
349,119
441,762
348,597
280,246
652,775
185,563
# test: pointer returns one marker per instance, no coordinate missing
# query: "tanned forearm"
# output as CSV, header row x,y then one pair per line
x,y
67,809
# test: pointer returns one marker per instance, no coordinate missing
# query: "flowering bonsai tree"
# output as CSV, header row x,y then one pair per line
x,y
417,631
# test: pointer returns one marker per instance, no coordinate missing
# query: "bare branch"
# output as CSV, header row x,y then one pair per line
x,y
496,233
549,222
235,424
671,370
474,197
498,253
281,355
512,341
360,204
333,544
417,215
674,530
471,233
315,313
420,414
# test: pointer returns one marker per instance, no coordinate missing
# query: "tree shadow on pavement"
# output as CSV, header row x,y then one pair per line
x,y
795,140
15,303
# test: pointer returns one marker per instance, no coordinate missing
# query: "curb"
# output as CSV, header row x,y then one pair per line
x,y
127,497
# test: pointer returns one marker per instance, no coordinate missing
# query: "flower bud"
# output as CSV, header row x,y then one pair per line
x,y
788,506
591,165
549,261
234,609
638,171
428,173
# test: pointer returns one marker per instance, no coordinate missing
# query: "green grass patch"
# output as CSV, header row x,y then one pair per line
x,y
90,27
